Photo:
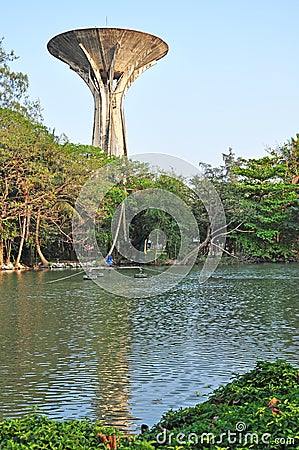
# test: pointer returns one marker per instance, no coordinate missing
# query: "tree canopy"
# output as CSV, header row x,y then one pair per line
x,y
41,176
14,88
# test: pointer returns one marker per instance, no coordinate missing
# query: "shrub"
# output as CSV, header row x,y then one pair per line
x,y
257,410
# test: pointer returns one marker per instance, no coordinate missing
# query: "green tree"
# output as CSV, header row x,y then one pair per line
x,y
40,181
260,198
268,202
14,88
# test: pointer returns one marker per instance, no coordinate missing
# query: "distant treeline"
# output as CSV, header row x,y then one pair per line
x,y
41,176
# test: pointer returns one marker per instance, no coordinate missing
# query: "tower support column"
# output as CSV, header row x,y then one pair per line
x,y
109,60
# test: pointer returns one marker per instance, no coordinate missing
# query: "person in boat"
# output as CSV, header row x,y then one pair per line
x,y
109,260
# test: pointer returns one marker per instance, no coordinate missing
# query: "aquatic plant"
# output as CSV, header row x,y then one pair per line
x,y
256,410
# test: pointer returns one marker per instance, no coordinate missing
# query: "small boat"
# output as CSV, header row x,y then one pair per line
x,y
92,276
140,274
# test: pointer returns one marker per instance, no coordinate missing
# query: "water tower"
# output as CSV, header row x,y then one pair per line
x,y
109,60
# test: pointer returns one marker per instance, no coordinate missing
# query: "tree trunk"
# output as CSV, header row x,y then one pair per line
x,y
23,233
1,247
193,252
44,261
1,251
120,219
7,246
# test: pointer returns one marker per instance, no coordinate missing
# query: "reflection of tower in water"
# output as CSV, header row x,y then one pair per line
x,y
113,348
67,349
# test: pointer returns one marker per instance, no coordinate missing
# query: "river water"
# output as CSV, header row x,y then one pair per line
x,y
77,351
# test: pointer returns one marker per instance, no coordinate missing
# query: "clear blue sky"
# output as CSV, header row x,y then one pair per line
x,y
230,79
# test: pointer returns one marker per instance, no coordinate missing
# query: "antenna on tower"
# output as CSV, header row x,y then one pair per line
x,y
106,21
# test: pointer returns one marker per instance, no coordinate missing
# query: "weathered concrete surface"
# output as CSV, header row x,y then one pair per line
x,y
109,60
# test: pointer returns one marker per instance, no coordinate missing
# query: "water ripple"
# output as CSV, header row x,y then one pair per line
x,y
77,351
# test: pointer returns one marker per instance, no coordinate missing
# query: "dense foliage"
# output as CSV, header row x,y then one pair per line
x,y
14,88
261,203
40,180
268,193
257,410
41,176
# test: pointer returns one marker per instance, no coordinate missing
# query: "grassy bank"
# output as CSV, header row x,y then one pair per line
x,y
258,410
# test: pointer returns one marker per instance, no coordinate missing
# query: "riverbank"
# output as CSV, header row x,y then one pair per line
x,y
225,261
258,409
52,265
